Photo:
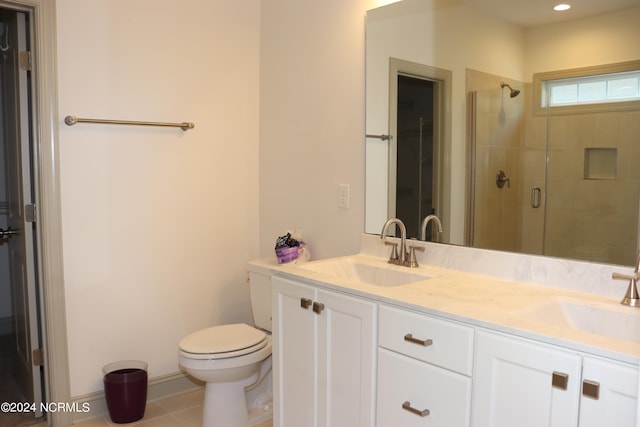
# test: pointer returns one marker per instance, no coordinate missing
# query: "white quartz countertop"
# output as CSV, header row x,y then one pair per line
x,y
481,301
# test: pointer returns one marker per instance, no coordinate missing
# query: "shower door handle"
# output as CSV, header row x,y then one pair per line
x,y
536,197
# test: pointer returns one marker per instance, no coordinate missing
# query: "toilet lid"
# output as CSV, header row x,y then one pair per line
x,y
238,339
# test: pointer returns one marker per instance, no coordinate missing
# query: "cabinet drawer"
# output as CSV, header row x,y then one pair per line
x,y
421,386
443,343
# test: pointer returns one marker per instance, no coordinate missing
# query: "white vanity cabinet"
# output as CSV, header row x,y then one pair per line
x,y
324,346
527,383
424,369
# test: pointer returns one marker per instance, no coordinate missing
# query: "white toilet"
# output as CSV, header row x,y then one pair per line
x,y
233,360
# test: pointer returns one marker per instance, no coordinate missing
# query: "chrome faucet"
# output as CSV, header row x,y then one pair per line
x,y
425,222
395,258
631,298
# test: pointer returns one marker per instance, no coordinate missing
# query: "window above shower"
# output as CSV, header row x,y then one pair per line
x,y
616,87
611,87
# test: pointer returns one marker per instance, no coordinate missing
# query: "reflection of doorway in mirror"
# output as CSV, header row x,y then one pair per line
x,y
419,110
415,149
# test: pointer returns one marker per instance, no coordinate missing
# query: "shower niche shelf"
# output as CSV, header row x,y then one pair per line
x,y
600,163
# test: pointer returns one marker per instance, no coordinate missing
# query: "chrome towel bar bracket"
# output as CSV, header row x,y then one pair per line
x,y
72,120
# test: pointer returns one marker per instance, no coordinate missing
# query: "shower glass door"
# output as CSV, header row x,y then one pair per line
x,y
508,149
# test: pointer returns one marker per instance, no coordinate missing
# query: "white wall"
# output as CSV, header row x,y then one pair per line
x,y
158,224
606,39
312,122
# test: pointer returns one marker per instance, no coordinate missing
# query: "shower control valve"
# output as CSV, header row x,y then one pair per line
x,y
501,179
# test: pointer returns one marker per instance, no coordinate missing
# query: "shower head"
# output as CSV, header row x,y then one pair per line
x,y
513,92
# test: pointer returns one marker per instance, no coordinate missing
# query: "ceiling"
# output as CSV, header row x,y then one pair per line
x,y
529,13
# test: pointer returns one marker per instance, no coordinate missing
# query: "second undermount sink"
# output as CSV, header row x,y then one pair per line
x,y
610,320
353,269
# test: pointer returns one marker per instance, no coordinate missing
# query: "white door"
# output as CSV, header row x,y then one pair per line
x,y
525,384
16,141
294,355
609,394
346,360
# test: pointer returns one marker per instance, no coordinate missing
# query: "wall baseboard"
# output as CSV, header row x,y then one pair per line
x,y
158,388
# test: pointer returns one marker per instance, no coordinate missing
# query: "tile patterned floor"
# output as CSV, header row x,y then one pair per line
x,y
184,410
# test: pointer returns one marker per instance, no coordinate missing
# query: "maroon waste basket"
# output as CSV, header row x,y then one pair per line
x,y
125,389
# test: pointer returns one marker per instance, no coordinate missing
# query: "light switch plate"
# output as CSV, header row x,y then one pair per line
x,y
343,196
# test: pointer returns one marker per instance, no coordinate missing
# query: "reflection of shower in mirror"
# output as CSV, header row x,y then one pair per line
x,y
513,92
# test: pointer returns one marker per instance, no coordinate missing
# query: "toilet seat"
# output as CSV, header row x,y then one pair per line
x,y
222,342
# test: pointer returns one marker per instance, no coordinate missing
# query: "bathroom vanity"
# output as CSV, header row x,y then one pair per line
x,y
359,342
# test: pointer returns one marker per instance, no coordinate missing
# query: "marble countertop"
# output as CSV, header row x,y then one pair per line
x,y
479,300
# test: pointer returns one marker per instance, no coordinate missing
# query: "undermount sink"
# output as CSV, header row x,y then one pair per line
x,y
615,321
356,270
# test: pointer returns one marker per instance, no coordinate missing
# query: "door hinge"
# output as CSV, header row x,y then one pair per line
x,y
37,356
24,59
30,212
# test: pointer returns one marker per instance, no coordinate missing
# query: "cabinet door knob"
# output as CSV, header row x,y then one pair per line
x,y
305,303
407,406
591,389
425,343
318,307
560,380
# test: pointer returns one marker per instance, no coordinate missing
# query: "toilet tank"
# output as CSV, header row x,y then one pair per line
x,y
260,290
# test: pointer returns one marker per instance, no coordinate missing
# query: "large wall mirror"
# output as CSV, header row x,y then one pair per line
x,y
517,125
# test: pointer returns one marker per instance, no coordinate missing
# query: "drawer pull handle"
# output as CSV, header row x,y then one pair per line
x,y
407,406
305,303
410,338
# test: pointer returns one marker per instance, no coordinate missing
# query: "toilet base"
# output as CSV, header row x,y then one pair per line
x,y
225,405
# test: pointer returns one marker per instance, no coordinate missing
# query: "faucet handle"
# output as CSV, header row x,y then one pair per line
x,y
394,258
631,297
413,262
620,276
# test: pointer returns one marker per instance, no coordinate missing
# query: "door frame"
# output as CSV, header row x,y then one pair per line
x,y
441,135
47,198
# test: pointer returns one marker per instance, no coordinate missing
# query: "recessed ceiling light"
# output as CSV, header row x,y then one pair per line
x,y
562,6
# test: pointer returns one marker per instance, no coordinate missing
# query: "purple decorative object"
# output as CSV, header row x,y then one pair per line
x,y
287,254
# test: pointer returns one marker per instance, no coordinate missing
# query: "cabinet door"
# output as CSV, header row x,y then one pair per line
x,y
520,383
294,355
412,393
609,394
346,360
